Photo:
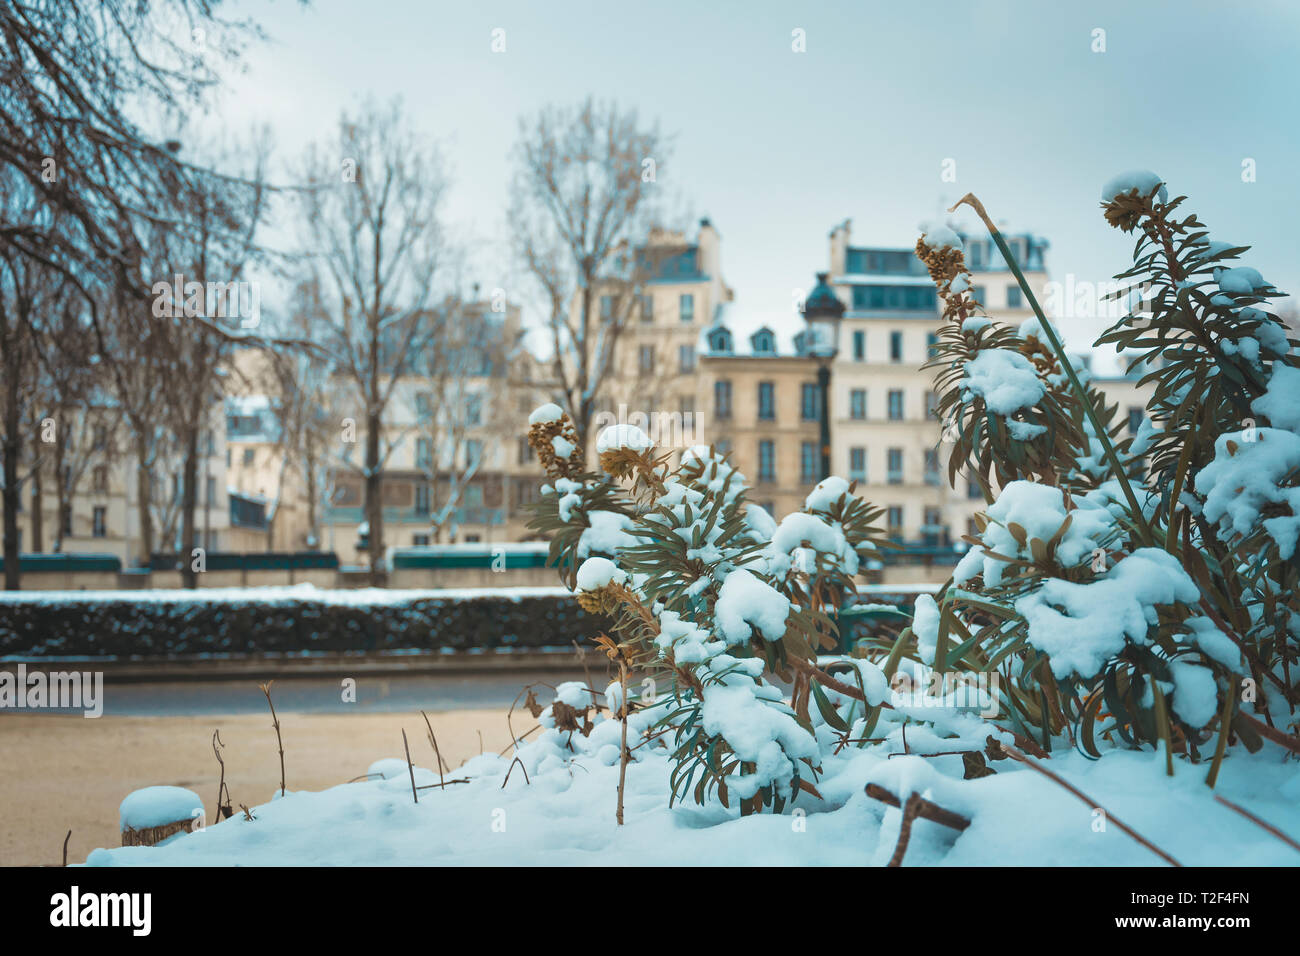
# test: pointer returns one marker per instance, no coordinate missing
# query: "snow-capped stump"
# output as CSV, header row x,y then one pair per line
x,y
151,815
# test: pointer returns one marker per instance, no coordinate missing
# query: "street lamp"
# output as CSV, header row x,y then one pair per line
x,y
822,311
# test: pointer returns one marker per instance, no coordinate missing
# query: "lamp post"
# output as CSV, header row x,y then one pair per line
x,y
822,311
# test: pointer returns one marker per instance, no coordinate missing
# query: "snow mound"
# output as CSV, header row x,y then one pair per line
x,y
158,806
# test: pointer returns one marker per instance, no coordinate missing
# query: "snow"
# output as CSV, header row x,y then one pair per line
x,y
1196,697
827,492
746,600
1039,510
1025,431
388,768
1143,181
942,237
975,323
797,528
545,414
280,595
1006,380
596,573
1245,478
1241,280
1280,403
1081,626
925,625
158,806
562,447
564,814
627,437
607,533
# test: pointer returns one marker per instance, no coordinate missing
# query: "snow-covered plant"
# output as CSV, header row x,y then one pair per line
x,y
1149,581
712,598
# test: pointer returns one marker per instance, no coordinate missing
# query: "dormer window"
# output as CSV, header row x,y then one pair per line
x,y
720,340
763,342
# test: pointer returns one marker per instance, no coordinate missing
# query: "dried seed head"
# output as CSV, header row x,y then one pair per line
x,y
1127,210
557,448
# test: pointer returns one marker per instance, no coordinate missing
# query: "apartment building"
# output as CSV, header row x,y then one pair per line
x,y
761,404
655,368
885,432
85,495
457,468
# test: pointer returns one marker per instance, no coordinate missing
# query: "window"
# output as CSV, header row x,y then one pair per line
x,y
973,490
766,462
720,340
859,346
423,453
808,463
1013,297
420,540
894,298
895,405
473,538
525,451
895,346
895,476
1135,417
66,523
932,406
857,464
858,404
687,405
686,357
687,306
766,401
101,437
931,344
646,359
99,479
722,398
932,466
210,490
972,527
979,294
606,307
647,308
895,521
473,451
763,342
421,498
423,403
723,446
473,496
932,525
249,455
474,410
99,522
810,402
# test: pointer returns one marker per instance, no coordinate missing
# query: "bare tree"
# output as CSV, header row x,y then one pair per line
x,y
584,198
202,265
461,409
371,227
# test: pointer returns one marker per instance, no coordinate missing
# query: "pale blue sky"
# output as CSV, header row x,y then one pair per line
x,y
776,146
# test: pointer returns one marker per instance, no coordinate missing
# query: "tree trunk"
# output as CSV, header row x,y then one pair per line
x,y
189,503
11,493
38,519
374,500
144,501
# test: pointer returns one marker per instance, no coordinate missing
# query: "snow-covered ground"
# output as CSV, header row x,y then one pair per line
x,y
562,813
280,594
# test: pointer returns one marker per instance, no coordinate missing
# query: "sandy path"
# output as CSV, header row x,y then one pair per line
x,y
66,772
